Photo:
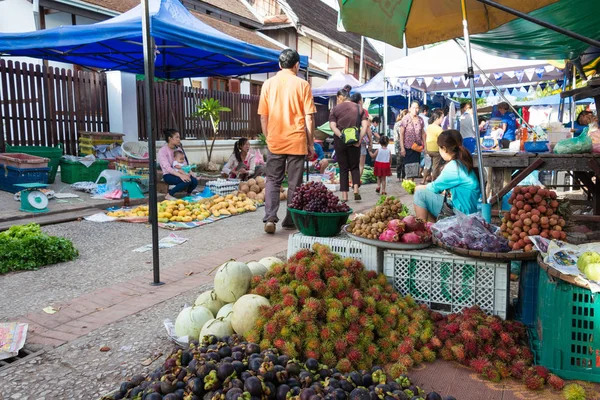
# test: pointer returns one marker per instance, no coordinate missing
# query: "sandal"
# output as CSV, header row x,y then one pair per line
x,y
384,193
377,189
357,197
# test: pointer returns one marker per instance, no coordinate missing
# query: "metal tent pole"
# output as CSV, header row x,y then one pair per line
x,y
149,108
362,58
385,99
486,209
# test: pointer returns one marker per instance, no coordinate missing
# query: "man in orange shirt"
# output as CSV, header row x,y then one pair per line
x,y
286,111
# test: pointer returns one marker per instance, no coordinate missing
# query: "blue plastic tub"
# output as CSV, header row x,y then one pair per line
x,y
470,144
11,176
540,146
526,311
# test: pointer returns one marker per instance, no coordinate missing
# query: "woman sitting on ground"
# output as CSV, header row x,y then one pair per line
x,y
242,163
458,179
172,176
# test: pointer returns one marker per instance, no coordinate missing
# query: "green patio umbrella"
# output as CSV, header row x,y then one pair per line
x,y
421,22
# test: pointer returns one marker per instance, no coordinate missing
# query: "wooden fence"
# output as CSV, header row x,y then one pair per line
x,y
45,106
176,103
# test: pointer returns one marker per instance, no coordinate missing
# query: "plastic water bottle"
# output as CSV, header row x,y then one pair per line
x,y
126,202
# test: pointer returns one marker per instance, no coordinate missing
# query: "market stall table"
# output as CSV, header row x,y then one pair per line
x,y
502,164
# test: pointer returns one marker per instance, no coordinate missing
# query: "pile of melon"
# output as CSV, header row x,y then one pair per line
x,y
228,307
255,189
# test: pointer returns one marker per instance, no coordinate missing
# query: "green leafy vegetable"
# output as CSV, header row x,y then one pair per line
x,y
26,247
405,211
368,176
409,186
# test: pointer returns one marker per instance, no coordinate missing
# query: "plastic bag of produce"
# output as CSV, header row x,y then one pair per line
x,y
576,145
470,232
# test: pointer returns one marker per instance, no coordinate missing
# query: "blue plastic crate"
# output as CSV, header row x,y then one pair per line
x,y
11,176
528,293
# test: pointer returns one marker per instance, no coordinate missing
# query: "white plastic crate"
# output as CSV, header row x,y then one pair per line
x,y
447,283
223,187
370,256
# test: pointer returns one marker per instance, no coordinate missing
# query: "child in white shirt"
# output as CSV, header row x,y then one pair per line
x,y
383,164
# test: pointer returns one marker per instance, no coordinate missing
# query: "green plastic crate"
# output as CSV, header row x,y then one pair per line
x,y
52,153
74,171
567,333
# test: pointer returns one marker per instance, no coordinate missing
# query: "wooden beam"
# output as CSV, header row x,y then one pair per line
x,y
581,93
520,176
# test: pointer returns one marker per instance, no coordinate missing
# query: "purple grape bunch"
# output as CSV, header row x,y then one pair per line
x,y
315,197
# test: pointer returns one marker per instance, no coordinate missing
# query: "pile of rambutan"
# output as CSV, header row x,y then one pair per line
x,y
333,310
494,348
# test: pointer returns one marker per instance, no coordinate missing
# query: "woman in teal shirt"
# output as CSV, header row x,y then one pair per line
x,y
458,178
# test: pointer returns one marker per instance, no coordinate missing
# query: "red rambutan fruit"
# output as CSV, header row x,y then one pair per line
x,y
447,354
436,342
502,369
397,370
543,372
302,253
417,357
428,354
502,354
344,365
325,333
526,355
468,335
352,337
395,355
490,373
534,382
353,355
506,339
471,348
479,364
340,346
517,369
488,349
289,300
556,382
496,326
303,291
372,350
406,360
485,333
453,328
329,359
279,343
459,352
407,346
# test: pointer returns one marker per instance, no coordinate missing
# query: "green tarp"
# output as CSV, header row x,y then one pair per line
x,y
523,39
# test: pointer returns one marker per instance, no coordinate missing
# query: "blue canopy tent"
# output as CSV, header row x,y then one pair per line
x,y
184,45
158,38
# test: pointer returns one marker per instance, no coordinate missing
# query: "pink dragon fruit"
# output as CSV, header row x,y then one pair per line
x,y
424,235
397,226
411,237
413,223
389,235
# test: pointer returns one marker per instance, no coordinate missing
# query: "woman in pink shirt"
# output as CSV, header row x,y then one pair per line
x,y
171,176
